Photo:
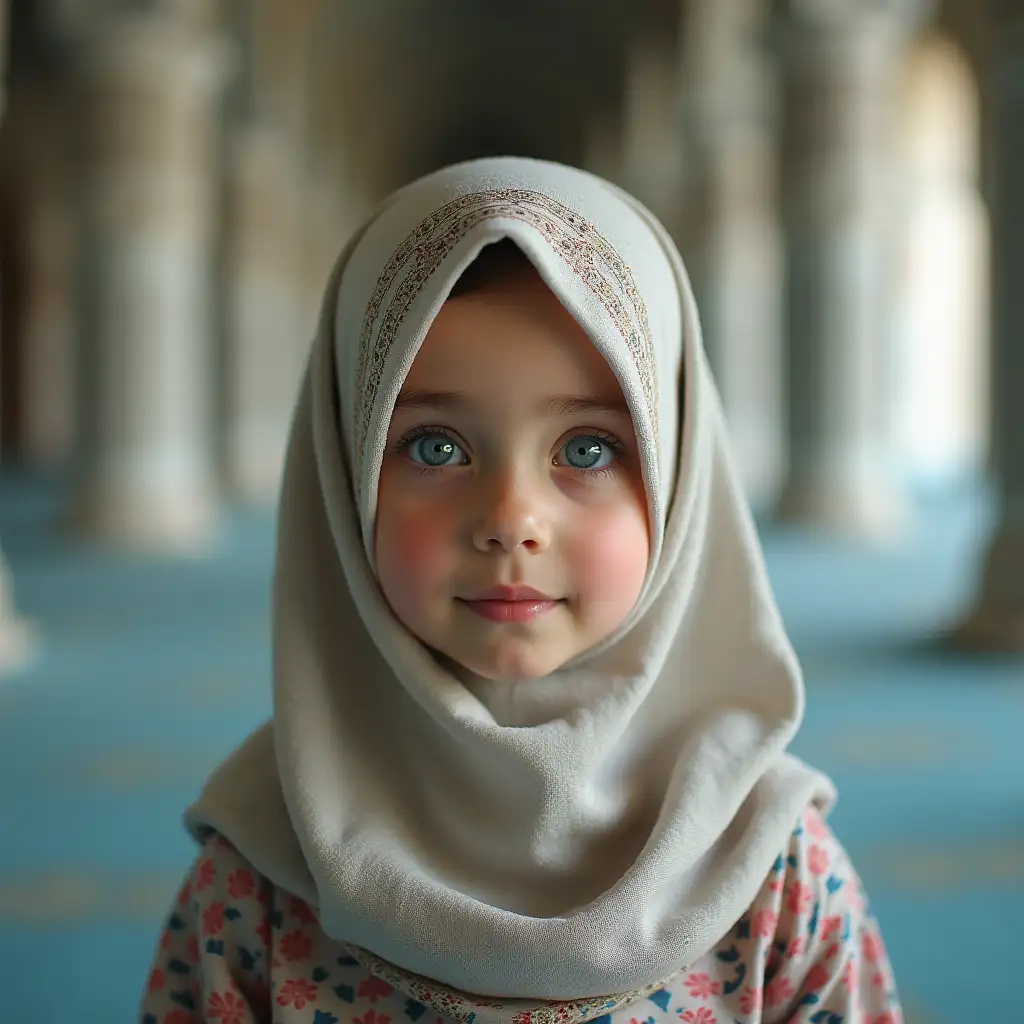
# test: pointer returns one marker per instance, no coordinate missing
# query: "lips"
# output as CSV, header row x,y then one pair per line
x,y
510,604
503,593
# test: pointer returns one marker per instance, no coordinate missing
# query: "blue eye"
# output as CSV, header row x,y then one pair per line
x,y
588,452
434,450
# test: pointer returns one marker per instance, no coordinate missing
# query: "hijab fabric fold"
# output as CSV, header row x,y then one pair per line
x,y
519,846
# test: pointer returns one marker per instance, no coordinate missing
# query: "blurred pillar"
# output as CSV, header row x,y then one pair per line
x,y
997,620
651,145
17,636
41,172
263,342
941,404
840,70
261,365
149,83
732,237
351,164
39,158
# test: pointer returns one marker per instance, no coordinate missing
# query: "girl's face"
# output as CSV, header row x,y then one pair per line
x,y
511,462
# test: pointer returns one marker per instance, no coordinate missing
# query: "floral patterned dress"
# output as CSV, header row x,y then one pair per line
x,y
238,950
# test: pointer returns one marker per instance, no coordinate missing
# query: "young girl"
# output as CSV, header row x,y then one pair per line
x,y
532,696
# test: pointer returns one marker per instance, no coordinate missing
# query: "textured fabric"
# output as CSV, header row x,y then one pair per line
x,y
237,950
585,834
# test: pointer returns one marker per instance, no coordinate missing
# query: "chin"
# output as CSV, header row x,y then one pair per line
x,y
512,669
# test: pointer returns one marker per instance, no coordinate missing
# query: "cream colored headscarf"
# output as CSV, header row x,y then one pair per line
x,y
585,835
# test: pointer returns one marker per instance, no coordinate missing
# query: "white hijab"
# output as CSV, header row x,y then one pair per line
x,y
585,835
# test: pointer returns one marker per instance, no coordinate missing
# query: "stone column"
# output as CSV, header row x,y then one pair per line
x,y
942,391
149,83
840,65
732,233
17,636
40,166
264,341
650,137
996,621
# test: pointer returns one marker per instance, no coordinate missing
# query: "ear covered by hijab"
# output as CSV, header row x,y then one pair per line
x,y
608,826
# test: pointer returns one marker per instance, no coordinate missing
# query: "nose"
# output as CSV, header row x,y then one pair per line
x,y
512,518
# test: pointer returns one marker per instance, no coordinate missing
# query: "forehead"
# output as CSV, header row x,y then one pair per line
x,y
514,333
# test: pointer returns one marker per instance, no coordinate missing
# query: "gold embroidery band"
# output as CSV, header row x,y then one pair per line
x,y
576,240
465,1008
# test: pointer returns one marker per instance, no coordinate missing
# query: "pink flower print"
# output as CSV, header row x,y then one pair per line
x,y
702,1015
263,931
372,1017
157,980
800,898
184,893
817,977
192,948
296,946
857,899
764,923
750,1001
795,948
373,989
850,976
817,860
241,884
871,948
213,919
297,992
207,874
778,990
776,885
701,986
301,909
830,926
226,1007
167,939
814,824
886,1018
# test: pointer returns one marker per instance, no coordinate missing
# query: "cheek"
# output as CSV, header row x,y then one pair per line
x,y
609,553
412,554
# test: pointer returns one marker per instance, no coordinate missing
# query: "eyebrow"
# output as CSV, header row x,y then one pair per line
x,y
551,405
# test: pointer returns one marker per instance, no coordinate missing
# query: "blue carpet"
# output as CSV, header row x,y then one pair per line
x,y
151,670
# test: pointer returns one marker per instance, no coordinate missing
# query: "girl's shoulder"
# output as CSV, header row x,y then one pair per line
x,y
810,939
220,868
813,879
224,940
